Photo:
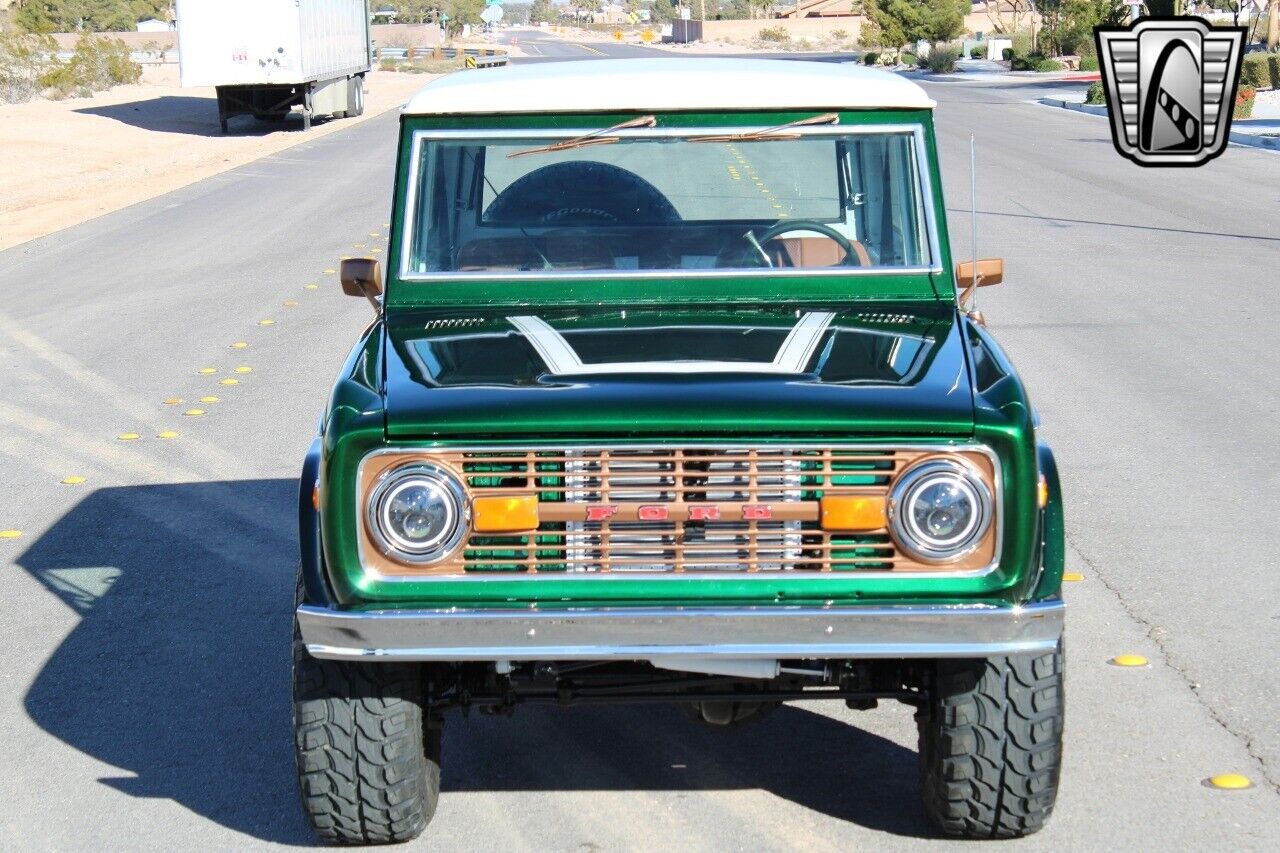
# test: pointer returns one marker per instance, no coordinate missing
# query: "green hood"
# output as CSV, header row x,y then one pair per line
x,y
786,370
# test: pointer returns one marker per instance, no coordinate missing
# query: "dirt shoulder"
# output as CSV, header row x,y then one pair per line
x,y
69,161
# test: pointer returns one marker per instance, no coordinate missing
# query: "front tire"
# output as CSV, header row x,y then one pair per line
x,y
991,744
368,769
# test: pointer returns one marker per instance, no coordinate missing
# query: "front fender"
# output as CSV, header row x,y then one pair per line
x,y
315,587
1053,555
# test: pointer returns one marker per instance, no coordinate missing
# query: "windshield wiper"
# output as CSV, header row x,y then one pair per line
x,y
595,138
770,133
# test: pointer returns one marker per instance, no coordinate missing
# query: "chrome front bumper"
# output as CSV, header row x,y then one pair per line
x,y
646,633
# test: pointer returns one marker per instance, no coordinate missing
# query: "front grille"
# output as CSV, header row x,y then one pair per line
x,y
789,481
677,477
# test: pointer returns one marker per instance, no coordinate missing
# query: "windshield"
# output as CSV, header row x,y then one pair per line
x,y
647,202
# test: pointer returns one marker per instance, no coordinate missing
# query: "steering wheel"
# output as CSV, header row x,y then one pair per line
x,y
788,225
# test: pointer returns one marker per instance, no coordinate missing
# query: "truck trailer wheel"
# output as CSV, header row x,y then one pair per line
x,y
991,745
355,96
368,769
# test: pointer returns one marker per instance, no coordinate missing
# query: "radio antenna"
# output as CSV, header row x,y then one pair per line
x,y
973,221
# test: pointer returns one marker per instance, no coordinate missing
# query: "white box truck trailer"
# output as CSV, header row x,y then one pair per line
x,y
266,57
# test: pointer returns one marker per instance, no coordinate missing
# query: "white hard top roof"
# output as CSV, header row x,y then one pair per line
x,y
629,85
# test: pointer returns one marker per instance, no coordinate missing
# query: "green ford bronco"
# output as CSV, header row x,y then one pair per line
x,y
673,395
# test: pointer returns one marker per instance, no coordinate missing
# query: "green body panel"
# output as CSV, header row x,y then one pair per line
x,y
384,398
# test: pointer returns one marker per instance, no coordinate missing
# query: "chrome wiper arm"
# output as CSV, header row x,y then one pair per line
x,y
770,133
597,137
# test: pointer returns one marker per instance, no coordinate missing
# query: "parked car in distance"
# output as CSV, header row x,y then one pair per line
x,y
672,394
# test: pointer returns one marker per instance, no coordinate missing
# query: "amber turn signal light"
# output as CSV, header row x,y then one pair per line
x,y
853,512
1042,492
504,514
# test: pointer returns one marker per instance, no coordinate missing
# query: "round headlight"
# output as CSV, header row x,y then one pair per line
x,y
939,510
418,513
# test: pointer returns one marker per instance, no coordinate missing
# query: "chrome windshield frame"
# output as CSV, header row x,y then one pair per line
x,y
924,186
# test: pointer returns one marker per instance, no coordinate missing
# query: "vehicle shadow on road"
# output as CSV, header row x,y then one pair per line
x,y
178,675
815,761
178,672
195,116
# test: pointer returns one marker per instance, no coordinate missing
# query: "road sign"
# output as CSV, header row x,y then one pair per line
x,y
491,14
469,62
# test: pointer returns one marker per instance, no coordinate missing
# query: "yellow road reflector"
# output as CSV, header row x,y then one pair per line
x,y
128,436
311,287
386,225
10,534
374,234
853,512
240,345
193,413
328,272
504,514
1128,660
208,399
167,434
1072,576
358,246
229,381
266,322
244,368
172,401
374,251
290,303
205,371
1229,782
72,480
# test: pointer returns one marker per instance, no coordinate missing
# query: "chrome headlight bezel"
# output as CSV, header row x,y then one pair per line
x,y
907,488
435,477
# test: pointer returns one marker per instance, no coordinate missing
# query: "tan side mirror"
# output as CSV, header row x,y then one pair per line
x,y
988,271
362,277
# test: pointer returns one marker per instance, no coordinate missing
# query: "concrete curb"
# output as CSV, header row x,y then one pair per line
x,y
1251,140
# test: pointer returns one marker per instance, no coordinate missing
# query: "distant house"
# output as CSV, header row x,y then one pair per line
x,y
384,15
151,25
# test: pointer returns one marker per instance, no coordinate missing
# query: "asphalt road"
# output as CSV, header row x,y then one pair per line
x,y
146,610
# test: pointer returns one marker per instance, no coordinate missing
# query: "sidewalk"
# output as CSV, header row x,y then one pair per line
x,y
1257,132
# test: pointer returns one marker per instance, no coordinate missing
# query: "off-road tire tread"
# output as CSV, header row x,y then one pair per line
x,y
368,770
991,745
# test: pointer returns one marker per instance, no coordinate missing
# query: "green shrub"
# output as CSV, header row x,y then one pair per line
x,y
839,35
1019,63
977,51
1007,54
97,64
942,60
774,34
1095,95
908,59
1021,42
1254,71
870,58
1088,63
1043,65
24,61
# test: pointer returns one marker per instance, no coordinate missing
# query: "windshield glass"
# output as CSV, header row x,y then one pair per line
x,y
656,203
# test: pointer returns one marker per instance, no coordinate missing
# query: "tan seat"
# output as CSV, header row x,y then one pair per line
x,y
813,252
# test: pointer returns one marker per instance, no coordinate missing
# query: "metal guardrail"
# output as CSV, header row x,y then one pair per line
x,y
480,57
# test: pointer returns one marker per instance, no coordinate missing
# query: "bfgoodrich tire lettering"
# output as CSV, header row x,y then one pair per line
x,y
368,770
991,745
